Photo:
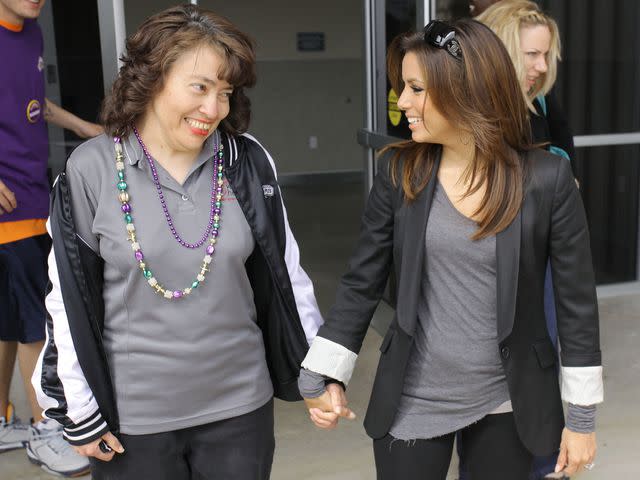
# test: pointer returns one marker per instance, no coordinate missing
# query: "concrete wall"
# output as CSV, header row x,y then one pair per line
x,y
307,106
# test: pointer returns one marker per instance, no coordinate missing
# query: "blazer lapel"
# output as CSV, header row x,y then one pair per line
x,y
508,264
413,247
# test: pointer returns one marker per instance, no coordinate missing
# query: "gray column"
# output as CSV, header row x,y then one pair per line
x,y
112,38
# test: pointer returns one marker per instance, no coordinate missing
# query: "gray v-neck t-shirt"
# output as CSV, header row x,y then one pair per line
x,y
454,375
175,364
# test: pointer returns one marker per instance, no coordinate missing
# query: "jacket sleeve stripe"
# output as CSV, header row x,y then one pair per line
x,y
59,377
87,430
87,435
302,287
582,385
95,417
45,381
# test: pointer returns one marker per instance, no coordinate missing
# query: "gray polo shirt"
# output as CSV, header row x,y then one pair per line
x,y
174,363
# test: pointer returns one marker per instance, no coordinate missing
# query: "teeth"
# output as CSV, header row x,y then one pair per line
x,y
200,125
413,120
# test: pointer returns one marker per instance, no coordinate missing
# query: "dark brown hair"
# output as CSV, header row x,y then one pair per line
x,y
479,94
157,44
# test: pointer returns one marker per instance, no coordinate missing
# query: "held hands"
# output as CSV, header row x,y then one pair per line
x,y
7,199
576,451
93,449
326,410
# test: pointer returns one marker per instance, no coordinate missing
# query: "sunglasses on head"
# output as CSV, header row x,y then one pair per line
x,y
442,35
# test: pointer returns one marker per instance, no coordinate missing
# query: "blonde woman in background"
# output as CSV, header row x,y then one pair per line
x,y
533,42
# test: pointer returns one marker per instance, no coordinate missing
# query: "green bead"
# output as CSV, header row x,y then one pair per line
x,y
195,284
220,175
121,175
216,225
128,218
218,204
122,186
147,273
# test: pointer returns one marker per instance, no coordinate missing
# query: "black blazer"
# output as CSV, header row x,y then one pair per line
x,y
550,225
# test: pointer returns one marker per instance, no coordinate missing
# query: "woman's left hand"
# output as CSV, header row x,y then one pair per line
x,y
576,451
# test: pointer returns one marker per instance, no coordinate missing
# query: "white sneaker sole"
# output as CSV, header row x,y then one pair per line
x,y
70,474
6,447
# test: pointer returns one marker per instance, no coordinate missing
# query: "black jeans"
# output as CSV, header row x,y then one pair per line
x,y
493,450
239,448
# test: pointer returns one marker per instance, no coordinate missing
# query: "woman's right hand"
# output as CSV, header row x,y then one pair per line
x,y
93,449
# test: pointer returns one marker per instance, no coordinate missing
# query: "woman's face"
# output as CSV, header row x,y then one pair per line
x,y
427,124
192,102
535,42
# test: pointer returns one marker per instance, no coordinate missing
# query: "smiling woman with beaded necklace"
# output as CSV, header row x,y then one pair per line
x,y
174,355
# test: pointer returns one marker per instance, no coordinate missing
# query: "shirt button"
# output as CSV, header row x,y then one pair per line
x,y
185,197
505,352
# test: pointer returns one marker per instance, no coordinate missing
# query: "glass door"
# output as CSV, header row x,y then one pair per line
x,y
384,19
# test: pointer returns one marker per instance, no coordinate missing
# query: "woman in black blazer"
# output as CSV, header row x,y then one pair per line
x,y
467,213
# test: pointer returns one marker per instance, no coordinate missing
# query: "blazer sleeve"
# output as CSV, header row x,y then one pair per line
x,y
334,350
575,294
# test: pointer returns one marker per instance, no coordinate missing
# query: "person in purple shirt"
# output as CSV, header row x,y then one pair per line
x,y
24,243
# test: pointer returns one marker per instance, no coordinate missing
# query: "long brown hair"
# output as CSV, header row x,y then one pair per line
x,y
156,45
479,94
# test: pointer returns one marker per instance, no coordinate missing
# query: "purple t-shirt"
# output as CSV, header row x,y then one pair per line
x,y
24,146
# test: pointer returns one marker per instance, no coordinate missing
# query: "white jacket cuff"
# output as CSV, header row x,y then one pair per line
x,y
582,385
330,359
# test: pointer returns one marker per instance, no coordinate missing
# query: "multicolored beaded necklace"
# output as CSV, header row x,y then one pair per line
x,y
212,227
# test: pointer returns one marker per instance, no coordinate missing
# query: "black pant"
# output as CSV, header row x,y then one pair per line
x,y
239,448
493,450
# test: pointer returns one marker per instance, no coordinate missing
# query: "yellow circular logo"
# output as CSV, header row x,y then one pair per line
x,y
34,111
395,115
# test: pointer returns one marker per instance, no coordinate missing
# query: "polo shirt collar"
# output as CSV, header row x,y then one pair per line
x,y
134,153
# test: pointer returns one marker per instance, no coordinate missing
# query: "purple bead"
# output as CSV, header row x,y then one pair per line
x,y
210,250
126,208
177,294
218,162
139,255
214,232
116,139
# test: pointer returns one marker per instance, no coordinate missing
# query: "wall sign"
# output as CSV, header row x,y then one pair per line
x,y
310,41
